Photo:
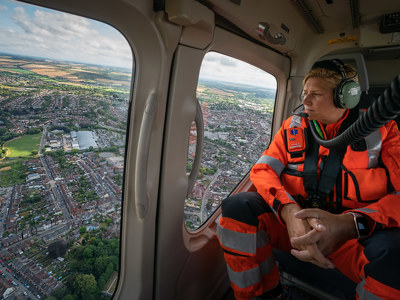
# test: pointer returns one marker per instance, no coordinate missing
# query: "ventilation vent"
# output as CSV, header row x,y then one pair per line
x,y
355,13
238,2
310,17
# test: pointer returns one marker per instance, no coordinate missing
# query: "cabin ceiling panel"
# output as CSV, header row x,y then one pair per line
x,y
248,14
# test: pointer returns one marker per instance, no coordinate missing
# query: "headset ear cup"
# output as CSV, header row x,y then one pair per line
x,y
347,94
350,94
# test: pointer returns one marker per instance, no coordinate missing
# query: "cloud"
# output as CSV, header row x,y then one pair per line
x,y
220,59
212,56
66,37
217,66
228,61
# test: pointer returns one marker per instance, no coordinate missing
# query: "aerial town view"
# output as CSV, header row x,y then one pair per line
x,y
237,129
62,136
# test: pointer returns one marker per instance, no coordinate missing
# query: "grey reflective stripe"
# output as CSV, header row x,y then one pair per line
x,y
363,293
262,238
268,265
396,193
243,242
273,162
296,121
366,210
292,166
374,145
290,196
250,277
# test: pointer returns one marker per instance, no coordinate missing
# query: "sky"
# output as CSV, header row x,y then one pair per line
x,y
217,66
39,32
34,31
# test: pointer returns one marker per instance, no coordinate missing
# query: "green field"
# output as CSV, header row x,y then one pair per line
x,y
22,71
12,173
23,146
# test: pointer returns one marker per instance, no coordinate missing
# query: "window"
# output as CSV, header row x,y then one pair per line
x,y
237,101
64,93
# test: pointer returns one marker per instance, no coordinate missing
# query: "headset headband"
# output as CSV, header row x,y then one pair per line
x,y
335,65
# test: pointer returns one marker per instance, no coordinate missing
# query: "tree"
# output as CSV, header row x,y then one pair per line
x,y
86,266
57,248
33,131
101,264
60,293
86,286
88,252
82,230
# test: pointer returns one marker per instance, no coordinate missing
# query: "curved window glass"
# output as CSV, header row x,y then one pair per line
x,y
64,93
237,101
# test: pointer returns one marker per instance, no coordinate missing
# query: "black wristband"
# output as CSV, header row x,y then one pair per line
x,y
362,225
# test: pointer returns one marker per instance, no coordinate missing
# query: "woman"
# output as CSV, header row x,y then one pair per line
x,y
337,208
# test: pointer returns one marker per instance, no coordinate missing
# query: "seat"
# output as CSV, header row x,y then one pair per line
x,y
367,99
313,280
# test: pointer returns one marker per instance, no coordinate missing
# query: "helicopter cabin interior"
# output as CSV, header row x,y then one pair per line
x,y
193,131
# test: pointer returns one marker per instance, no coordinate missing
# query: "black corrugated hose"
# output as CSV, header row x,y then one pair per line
x,y
381,111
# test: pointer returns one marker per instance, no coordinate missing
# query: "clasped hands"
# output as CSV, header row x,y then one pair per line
x,y
314,233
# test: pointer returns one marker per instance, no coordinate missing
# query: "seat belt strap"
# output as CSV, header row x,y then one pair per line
x,y
331,170
310,180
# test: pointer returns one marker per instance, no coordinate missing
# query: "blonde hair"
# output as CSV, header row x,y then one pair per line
x,y
333,78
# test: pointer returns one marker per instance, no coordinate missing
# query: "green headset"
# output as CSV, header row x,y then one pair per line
x,y
347,93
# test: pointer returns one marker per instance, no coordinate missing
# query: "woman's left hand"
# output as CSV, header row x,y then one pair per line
x,y
330,232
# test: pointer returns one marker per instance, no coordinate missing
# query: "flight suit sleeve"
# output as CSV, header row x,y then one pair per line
x,y
386,211
265,174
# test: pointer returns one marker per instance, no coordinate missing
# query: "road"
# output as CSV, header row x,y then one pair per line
x,y
203,210
19,284
57,195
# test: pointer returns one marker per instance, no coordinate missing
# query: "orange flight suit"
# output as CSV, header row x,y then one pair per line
x,y
368,183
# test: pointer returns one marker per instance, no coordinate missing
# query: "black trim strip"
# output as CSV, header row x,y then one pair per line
x,y
276,204
292,172
356,186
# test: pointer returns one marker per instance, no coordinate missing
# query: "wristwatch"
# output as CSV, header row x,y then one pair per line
x,y
362,225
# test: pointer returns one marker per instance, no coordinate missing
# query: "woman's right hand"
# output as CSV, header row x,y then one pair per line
x,y
298,227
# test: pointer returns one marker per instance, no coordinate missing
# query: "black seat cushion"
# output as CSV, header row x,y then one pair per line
x,y
330,282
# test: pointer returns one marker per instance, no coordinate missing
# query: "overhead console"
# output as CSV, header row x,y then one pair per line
x,y
390,23
383,31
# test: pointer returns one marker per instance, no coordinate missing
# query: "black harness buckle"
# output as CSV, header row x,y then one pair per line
x,y
315,201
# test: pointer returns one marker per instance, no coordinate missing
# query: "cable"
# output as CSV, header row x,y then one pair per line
x,y
381,111
316,126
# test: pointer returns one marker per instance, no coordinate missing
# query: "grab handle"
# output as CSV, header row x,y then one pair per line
x,y
199,148
263,29
142,156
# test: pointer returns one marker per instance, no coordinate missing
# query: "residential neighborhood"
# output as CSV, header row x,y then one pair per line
x,y
68,188
62,169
